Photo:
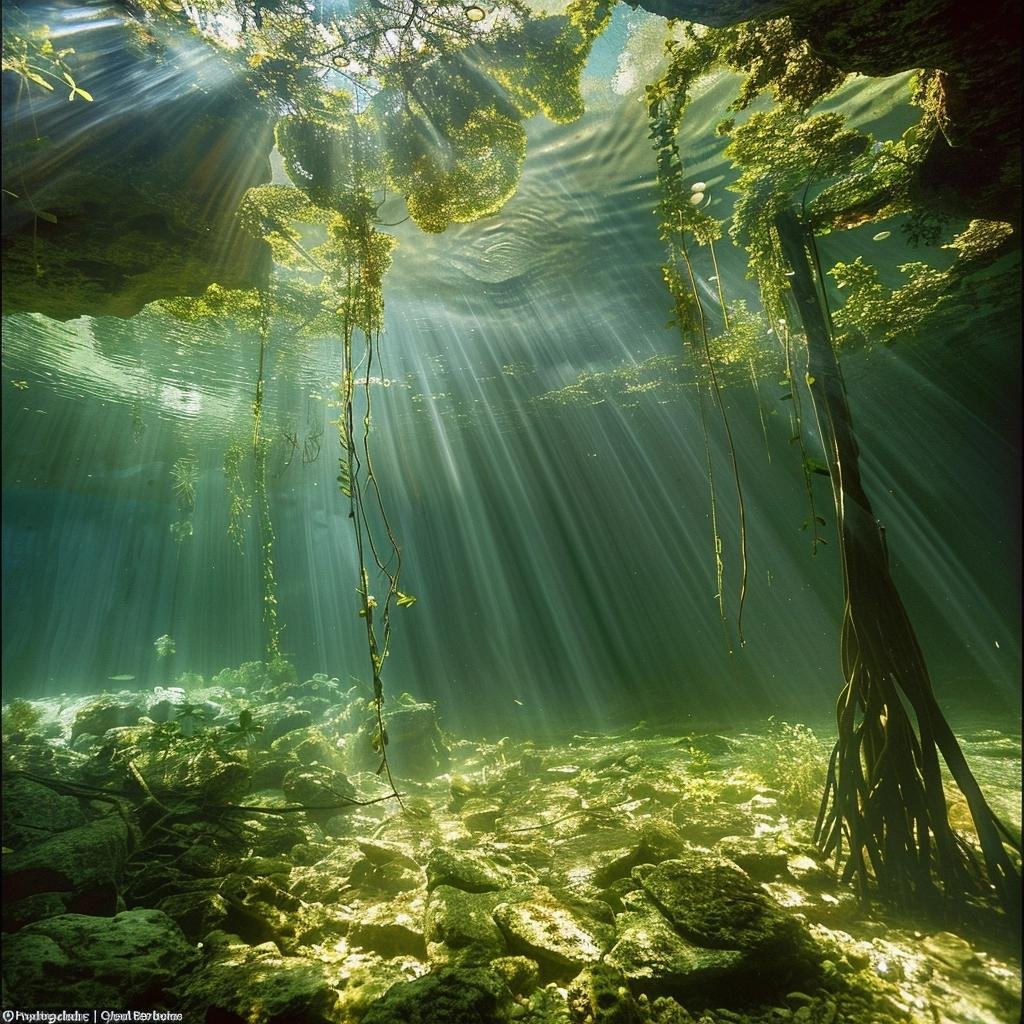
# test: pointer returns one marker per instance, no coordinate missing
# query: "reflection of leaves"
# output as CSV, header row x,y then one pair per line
x,y
539,64
267,212
334,161
454,149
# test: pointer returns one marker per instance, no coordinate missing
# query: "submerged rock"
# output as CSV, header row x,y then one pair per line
x,y
126,961
258,985
448,995
761,857
196,913
394,928
458,922
655,959
713,903
520,973
599,995
107,712
561,936
31,811
319,787
466,869
280,719
416,746
84,864
326,880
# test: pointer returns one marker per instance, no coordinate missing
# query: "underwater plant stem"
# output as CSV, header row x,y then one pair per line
x,y
884,788
750,359
716,391
260,446
718,285
355,475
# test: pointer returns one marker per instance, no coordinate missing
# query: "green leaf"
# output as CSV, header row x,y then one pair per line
x,y
405,600
46,215
814,466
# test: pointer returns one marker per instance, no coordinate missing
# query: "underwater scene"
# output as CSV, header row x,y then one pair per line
x,y
511,512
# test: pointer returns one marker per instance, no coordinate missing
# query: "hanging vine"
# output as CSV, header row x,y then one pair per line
x,y
682,223
260,450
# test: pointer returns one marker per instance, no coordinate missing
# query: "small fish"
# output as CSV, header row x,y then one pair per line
x,y
881,236
121,679
516,700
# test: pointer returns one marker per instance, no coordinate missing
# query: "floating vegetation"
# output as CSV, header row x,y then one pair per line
x,y
164,646
185,477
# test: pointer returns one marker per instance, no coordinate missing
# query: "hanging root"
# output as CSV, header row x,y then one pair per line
x,y
884,800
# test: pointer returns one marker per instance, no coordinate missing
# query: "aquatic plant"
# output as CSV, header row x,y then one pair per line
x,y
239,502
20,716
444,131
189,718
792,760
182,530
29,53
682,224
164,646
185,476
244,732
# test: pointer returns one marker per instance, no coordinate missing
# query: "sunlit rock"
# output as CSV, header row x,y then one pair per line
x,y
416,747
394,928
468,995
458,922
470,870
520,973
259,985
561,937
713,903
761,857
318,787
107,712
655,959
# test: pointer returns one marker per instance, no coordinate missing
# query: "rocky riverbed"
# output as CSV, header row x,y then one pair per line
x,y
156,858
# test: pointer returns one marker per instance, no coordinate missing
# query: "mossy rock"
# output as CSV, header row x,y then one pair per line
x,y
130,959
714,904
448,995
459,924
258,985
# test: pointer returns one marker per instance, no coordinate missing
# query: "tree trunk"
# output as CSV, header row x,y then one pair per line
x,y
884,795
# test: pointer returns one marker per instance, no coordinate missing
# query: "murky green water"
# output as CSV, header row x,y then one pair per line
x,y
569,716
